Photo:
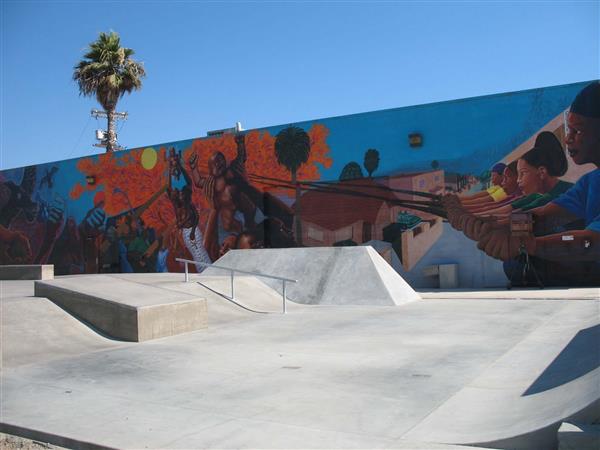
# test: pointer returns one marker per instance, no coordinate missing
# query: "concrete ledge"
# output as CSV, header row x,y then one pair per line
x,y
27,272
447,274
126,310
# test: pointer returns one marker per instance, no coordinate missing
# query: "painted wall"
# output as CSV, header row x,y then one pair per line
x,y
349,180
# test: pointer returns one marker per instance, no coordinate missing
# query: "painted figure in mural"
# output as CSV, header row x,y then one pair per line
x,y
223,188
67,255
137,243
95,231
539,170
46,228
248,239
563,251
14,247
493,192
119,243
580,247
236,201
39,223
16,198
186,214
510,192
270,233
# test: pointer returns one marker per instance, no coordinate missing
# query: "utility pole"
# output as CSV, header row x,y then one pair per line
x,y
102,135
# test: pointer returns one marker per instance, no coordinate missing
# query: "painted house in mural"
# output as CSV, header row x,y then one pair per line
x,y
376,178
335,217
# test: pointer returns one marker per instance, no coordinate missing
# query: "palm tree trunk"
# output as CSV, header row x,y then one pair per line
x,y
112,134
297,221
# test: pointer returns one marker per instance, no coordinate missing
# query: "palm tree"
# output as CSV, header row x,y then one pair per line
x,y
108,72
371,162
292,148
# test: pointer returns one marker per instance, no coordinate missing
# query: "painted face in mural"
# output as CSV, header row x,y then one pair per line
x,y
496,178
530,178
249,240
583,139
228,243
217,164
509,181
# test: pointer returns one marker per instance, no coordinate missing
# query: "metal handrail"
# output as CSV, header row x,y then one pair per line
x,y
232,271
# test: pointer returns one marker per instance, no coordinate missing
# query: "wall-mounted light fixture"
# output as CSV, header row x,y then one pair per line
x,y
415,140
91,179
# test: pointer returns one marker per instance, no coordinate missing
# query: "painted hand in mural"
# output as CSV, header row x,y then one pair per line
x,y
56,212
457,217
193,161
475,228
500,244
94,220
54,228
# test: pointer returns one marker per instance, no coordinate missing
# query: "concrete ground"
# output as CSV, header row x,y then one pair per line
x,y
457,370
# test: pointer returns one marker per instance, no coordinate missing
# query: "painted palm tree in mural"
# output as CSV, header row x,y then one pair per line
x,y
351,171
371,162
292,148
108,72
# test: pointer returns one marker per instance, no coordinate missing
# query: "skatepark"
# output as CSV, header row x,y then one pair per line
x,y
358,360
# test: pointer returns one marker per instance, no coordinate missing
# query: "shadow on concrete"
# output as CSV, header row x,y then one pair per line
x,y
579,357
229,299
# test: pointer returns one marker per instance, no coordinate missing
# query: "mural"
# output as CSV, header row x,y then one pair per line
x,y
505,186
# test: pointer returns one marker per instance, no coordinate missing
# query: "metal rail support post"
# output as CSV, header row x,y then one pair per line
x,y
284,305
232,273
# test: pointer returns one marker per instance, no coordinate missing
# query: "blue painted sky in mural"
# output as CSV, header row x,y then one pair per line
x,y
213,63
466,136
489,127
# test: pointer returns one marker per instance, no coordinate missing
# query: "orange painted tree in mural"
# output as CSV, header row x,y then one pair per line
x,y
130,179
261,162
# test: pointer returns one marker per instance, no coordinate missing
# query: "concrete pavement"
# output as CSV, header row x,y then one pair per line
x,y
493,371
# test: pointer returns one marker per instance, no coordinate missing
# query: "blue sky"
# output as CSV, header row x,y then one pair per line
x,y
211,64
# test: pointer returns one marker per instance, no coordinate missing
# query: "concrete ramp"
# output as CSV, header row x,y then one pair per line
x,y
519,402
35,330
125,309
326,275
